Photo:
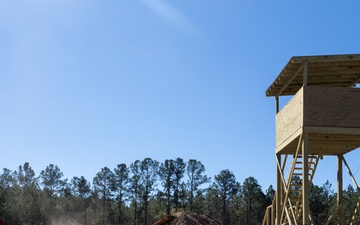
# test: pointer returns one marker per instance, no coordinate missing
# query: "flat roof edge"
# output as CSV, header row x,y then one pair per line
x,y
284,84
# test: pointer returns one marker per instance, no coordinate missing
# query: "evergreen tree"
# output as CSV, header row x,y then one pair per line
x,y
270,194
179,171
167,177
199,201
213,202
135,189
82,190
195,171
26,176
7,184
351,197
104,182
22,201
7,178
121,186
50,178
149,172
30,197
236,207
53,186
254,201
322,201
226,185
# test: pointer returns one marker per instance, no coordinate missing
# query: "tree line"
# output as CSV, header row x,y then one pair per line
x,y
143,192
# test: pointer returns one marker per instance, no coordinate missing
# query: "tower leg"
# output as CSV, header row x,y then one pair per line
x,y
279,190
340,191
305,181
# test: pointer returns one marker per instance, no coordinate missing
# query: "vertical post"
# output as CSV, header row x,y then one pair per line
x,y
279,190
305,180
279,186
305,165
305,73
340,190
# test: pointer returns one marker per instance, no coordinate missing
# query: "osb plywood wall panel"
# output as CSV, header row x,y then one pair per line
x,y
289,119
332,107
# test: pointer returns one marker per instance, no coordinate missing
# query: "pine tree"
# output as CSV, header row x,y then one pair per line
x,y
121,186
82,190
195,171
149,172
179,171
254,201
167,177
226,185
104,183
135,189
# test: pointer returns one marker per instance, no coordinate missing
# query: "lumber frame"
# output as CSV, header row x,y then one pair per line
x,y
305,182
322,119
356,210
279,188
281,206
289,81
340,190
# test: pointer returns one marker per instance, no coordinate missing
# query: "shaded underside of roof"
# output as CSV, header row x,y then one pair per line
x,y
325,144
326,70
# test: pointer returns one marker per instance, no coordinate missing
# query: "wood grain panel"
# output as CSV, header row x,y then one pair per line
x,y
326,144
332,107
289,119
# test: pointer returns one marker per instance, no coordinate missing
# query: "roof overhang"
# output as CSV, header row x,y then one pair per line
x,y
326,70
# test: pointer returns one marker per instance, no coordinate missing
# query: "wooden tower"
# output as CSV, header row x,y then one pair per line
x,y
322,118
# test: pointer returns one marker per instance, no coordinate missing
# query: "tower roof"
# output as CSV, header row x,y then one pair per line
x,y
325,70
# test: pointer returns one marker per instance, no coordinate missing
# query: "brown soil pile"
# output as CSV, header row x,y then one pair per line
x,y
187,219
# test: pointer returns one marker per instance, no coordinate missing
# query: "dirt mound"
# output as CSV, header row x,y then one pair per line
x,y
188,219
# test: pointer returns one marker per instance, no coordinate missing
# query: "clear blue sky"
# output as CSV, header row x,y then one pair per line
x,y
86,84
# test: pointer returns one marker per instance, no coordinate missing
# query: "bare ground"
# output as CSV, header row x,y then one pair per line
x,y
182,218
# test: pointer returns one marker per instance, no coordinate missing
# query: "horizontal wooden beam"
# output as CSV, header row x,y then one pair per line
x,y
336,66
332,130
290,79
326,58
291,139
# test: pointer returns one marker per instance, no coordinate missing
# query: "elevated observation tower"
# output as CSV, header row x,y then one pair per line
x,y
322,118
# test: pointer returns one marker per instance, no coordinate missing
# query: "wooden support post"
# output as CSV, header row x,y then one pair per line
x,y
305,165
351,174
305,73
279,191
278,179
340,191
305,181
